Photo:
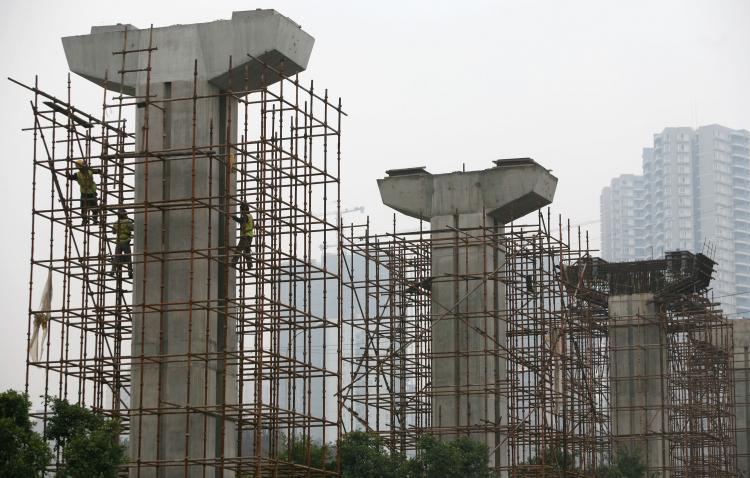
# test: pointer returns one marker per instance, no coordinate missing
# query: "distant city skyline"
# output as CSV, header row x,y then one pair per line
x,y
693,194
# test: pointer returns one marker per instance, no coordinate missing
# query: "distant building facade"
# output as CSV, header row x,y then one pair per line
x,y
694,193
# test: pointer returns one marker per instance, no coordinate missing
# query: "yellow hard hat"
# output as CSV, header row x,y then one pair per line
x,y
80,162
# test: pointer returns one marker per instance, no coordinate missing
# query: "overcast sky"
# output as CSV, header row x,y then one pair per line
x,y
580,86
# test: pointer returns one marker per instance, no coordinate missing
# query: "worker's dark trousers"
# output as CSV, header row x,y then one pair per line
x,y
244,248
89,205
122,256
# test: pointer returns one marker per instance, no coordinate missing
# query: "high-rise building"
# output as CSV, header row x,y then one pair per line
x,y
624,238
694,194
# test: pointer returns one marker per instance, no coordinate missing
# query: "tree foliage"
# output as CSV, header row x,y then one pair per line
x,y
67,421
320,455
364,455
627,463
95,452
458,458
23,452
555,459
90,442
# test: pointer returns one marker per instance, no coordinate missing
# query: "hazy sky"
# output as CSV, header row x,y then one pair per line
x,y
580,86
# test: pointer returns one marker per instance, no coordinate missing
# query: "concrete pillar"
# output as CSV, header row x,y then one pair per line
x,y
460,380
638,365
161,377
467,372
741,332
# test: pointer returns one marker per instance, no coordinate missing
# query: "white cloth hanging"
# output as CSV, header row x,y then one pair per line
x,y
41,319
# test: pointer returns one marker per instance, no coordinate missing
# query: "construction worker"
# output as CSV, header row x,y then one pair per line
x,y
123,231
85,178
530,289
244,246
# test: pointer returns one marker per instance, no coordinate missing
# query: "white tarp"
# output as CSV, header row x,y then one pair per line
x,y
41,317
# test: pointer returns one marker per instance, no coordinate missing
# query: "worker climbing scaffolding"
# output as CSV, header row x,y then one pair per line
x,y
123,231
85,178
244,246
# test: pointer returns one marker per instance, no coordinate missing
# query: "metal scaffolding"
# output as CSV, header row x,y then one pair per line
x,y
555,348
285,351
566,360
270,337
559,407
387,333
701,389
671,353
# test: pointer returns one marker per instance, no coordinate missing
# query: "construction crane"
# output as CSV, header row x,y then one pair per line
x,y
359,209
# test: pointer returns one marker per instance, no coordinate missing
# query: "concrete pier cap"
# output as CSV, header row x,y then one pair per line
x,y
513,188
263,34
468,382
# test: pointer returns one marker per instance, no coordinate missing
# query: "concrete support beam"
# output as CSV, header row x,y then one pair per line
x,y
163,335
638,364
461,375
467,372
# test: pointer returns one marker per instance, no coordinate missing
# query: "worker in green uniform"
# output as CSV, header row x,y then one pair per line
x,y
85,178
244,246
123,231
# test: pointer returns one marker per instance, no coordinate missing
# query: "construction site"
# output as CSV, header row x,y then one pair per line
x,y
493,319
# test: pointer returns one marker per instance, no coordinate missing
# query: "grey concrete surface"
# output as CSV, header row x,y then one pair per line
x,y
466,380
160,379
638,363
263,34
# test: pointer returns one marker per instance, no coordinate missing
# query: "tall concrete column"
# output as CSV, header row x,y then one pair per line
x,y
176,404
460,333
467,369
741,332
638,365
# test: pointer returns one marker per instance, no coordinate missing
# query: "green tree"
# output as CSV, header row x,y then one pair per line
x,y
94,453
555,459
68,420
459,458
628,463
321,456
364,455
90,443
23,453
